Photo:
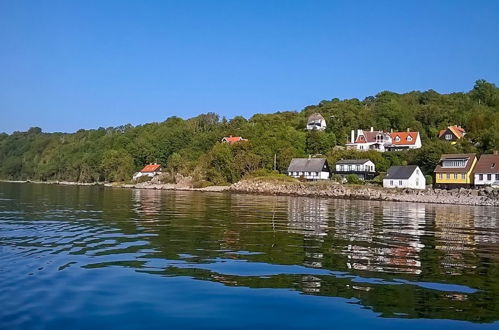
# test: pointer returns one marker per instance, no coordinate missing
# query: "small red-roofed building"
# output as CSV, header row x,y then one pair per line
x,y
404,141
452,134
150,170
232,139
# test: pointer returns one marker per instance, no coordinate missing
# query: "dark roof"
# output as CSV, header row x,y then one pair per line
x,y
465,169
307,164
400,172
352,161
487,164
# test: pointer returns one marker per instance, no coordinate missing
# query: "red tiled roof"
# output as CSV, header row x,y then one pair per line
x,y
404,138
233,139
151,168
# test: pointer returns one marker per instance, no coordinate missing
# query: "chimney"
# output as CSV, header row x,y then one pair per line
x,y
309,156
372,129
495,152
352,137
391,130
408,129
359,132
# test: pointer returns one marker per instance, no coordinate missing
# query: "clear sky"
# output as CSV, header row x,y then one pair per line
x,y
73,64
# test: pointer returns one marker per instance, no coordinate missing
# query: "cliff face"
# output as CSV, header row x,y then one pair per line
x,y
487,196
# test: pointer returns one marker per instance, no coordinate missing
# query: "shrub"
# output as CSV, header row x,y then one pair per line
x,y
429,179
353,179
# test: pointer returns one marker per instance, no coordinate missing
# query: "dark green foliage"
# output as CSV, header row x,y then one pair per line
x,y
353,179
192,147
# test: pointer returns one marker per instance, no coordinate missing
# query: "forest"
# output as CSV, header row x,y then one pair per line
x,y
193,146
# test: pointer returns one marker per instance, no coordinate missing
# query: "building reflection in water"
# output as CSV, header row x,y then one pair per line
x,y
454,237
147,202
309,217
403,228
381,237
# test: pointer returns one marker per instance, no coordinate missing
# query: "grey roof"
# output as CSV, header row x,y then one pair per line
x,y
315,116
352,161
306,164
400,172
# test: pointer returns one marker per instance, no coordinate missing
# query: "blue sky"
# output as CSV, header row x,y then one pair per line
x,y
72,64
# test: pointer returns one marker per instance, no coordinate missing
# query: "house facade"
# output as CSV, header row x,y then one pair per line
x,y
383,141
404,177
232,139
309,168
455,171
452,134
404,140
486,171
150,170
364,169
316,122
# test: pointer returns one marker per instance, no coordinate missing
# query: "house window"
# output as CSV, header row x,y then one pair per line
x,y
397,138
489,177
463,176
455,176
409,138
440,175
391,182
497,176
448,137
480,177
400,182
448,175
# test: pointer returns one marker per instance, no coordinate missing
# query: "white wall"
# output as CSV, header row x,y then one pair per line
x,y
310,175
416,181
484,180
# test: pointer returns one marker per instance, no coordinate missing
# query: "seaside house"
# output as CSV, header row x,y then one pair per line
x,y
364,169
316,122
309,168
452,134
232,139
368,140
150,170
455,171
404,140
487,170
383,141
404,177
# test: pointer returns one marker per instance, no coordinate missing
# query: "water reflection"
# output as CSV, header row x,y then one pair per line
x,y
400,260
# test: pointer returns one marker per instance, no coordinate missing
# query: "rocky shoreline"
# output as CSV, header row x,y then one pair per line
x,y
485,196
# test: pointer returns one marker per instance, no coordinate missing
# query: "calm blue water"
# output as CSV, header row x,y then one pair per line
x,y
83,257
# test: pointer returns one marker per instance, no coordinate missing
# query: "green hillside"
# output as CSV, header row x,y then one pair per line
x,y
193,146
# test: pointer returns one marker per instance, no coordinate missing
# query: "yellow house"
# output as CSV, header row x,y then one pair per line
x,y
455,171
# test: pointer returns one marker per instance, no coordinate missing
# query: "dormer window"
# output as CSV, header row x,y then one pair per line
x,y
397,138
409,138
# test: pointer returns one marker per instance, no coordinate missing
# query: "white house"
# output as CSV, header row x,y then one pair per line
x,y
383,141
148,170
487,170
404,141
309,168
363,168
404,177
316,122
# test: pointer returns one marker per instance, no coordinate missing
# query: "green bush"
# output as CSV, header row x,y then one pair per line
x,y
429,179
353,179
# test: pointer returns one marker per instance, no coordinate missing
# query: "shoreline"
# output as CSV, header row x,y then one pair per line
x,y
473,197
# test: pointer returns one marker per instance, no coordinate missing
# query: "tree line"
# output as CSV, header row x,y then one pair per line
x,y
193,147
